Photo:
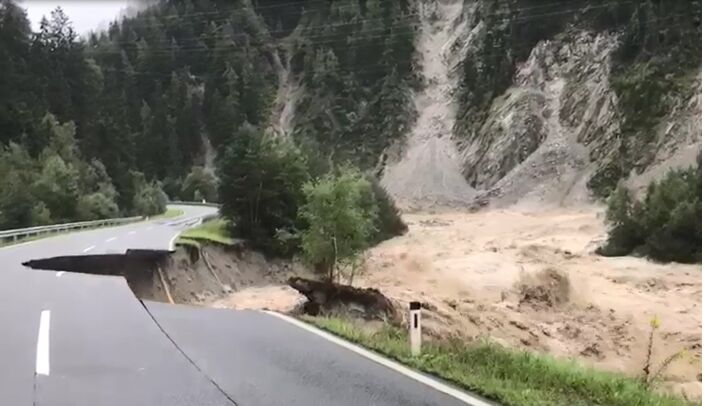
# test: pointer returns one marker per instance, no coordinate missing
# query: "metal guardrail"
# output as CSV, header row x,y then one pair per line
x,y
177,202
16,234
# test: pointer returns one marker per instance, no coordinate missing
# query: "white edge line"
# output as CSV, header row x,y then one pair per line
x,y
42,367
433,383
89,248
173,241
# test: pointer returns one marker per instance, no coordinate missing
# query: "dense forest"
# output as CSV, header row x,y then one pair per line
x,y
116,122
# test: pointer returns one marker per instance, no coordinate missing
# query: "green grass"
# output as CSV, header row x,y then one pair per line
x,y
215,231
189,242
512,378
168,214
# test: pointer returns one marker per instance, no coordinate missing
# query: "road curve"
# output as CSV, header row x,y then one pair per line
x,y
76,339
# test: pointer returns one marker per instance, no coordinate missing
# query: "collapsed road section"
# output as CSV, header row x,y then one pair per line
x,y
140,268
186,275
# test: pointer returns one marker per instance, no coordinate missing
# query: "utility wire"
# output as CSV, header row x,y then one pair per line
x,y
526,45
405,16
362,38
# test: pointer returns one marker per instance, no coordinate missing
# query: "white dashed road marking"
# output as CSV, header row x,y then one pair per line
x,y
42,367
132,233
111,239
89,248
58,274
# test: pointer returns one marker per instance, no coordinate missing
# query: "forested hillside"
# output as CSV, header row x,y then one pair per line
x,y
352,62
501,100
52,165
141,104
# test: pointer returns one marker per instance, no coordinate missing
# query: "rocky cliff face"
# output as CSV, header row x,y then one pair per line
x,y
548,131
497,101
551,127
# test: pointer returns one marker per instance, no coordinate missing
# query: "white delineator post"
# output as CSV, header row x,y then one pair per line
x,y
414,332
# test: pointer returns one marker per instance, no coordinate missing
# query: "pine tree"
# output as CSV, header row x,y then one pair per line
x,y
260,189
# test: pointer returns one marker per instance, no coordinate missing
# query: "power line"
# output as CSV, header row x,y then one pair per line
x,y
356,7
519,19
132,23
413,15
178,49
526,45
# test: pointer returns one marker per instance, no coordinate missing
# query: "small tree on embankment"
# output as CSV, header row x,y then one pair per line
x,y
340,222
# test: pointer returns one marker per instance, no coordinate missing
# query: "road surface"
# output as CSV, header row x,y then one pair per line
x,y
76,339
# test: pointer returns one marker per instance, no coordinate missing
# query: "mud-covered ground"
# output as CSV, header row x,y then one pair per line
x,y
531,280
528,280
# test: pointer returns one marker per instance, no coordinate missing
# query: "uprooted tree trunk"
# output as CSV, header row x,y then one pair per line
x,y
329,297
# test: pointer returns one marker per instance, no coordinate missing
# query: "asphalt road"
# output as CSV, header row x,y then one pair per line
x,y
101,346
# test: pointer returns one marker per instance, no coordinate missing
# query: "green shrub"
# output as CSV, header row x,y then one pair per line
x,y
260,189
388,222
40,214
340,221
96,206
57,186
149,200
665,226
198,185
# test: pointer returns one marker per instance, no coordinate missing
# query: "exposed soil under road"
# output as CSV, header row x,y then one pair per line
x,y
225,278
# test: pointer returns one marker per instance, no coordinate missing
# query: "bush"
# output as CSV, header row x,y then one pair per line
x,y
149,200
40,214
57,186
388,223
340,220
96,206
665,226
261,181
199,185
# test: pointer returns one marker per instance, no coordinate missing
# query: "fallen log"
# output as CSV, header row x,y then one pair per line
x,y
331,298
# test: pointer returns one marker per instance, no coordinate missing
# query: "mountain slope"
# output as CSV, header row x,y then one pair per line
x,y
428,173
560,102
451,102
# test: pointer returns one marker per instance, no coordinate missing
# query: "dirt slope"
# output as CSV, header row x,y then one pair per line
x,y
429,173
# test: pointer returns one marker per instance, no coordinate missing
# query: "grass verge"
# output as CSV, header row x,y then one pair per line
x,y
168,214
512,378
215,231
188,242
